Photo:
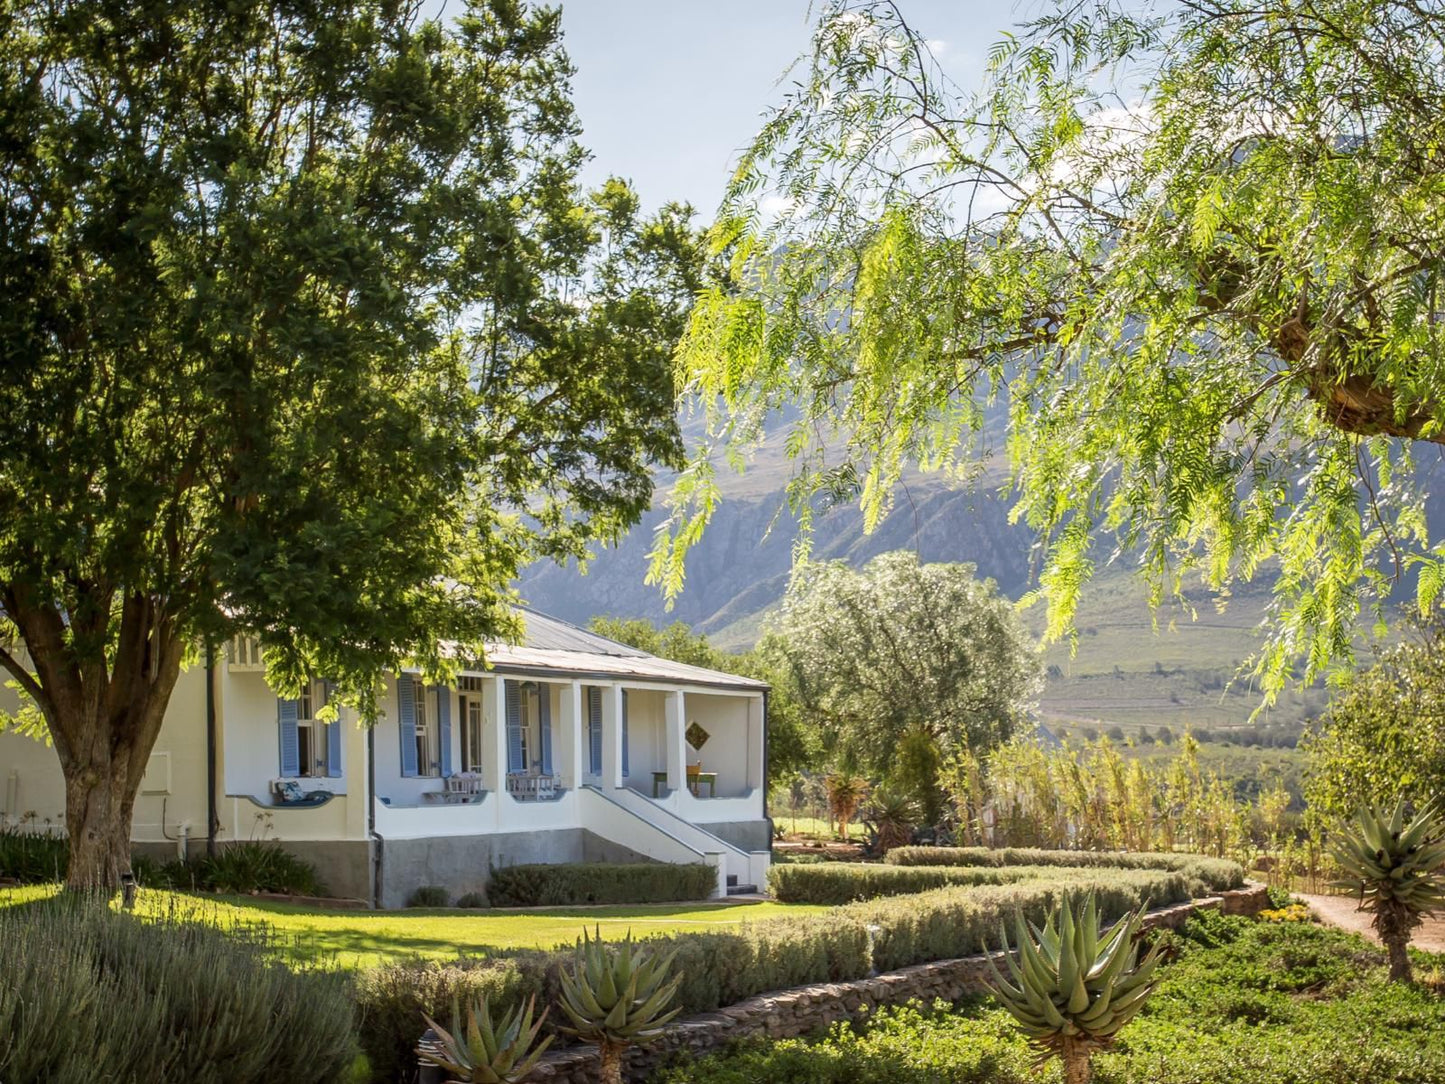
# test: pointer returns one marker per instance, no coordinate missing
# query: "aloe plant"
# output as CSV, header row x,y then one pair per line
x,y
481,1053
1072,988
1394,869
615,996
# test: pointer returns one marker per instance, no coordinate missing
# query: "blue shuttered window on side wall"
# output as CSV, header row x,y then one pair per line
x,y
290,743
594,728
544,725
444,727
516,738
624,732
406,722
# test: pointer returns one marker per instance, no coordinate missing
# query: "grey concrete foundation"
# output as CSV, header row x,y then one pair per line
x,y
744,835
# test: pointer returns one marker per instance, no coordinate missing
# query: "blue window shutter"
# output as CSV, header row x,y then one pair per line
x,y
444,727
333,739
290,744
594,727
406,722
624,731
544,725
516,749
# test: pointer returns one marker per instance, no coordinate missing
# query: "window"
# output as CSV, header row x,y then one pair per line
x,y
310,731
245,654
471,732
427,757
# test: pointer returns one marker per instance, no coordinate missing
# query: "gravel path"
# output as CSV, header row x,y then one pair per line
x,y
1341,911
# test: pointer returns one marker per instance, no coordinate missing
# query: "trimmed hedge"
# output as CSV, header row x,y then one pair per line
x,y
1211,874
717,969
566,884
851,882
88,994
721,967
847,882
947,923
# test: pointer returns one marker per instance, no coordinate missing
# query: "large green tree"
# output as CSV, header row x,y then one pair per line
x,y
1195,248
903,666
1383,735
308,333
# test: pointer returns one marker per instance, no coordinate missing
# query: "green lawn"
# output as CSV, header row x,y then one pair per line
x,y
366,938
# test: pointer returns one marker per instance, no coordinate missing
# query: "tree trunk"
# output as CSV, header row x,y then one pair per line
x,y
103,707
99,800
1393,922
611,1068
1077,1069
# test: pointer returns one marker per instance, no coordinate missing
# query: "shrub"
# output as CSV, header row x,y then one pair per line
x,y
947,923
600,882
428,896
845,882
33,857
1206,874
257,867
472,900
391,1000
87,993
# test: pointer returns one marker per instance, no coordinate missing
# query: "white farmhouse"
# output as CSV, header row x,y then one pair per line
x,y
570,748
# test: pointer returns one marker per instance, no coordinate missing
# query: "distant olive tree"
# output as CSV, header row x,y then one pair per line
x,y
901,658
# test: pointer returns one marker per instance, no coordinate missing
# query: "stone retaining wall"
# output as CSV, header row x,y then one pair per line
x,y
804,1009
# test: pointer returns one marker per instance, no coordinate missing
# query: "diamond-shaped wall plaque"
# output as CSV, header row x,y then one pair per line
x,y
696,736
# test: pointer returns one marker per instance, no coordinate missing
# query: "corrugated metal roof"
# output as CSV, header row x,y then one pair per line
x,y
551,644
546,633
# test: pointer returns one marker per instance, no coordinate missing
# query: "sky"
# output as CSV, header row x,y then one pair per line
x,y
668,91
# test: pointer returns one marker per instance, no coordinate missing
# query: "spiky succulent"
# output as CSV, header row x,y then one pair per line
x,y
1073,988
1393,867
616,995
1383,858
480,1053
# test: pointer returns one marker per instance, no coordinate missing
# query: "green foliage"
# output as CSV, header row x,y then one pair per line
x,y
599,882
898,649
160,1000
32,857
844,882
1192,248
256,867
428,896
1383,733
302,354
1209,874
1244,1002
472,900
946,923
392,999
1073,986
618,993
483,1054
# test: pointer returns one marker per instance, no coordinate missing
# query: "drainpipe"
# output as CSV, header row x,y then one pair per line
x,y
210,752
767,693
376,840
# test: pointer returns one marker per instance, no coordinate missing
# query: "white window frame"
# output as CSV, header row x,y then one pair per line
x,y
312,747
428,758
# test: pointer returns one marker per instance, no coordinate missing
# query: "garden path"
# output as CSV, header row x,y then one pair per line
x,y
1341,911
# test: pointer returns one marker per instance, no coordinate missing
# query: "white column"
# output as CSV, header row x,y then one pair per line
x,y
755,741
612,736
570,727
675,725
494,737
353,772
